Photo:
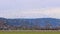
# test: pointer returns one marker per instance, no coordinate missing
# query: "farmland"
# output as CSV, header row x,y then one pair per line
x,y
30,32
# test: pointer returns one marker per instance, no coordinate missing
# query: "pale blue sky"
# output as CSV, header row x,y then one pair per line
x,y
13,8
28,4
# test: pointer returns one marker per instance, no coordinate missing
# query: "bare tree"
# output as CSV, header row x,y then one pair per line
x,y
48,25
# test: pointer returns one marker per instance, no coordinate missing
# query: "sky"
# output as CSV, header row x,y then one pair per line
x,y
30,8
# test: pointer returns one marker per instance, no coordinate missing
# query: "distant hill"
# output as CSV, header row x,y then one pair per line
x,y
30,22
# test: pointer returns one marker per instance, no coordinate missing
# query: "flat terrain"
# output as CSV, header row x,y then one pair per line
x,y
30,32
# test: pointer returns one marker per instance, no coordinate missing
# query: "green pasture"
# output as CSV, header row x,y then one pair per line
x,y
29,32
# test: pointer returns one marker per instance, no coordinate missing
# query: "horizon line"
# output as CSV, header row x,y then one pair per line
x,y
28,18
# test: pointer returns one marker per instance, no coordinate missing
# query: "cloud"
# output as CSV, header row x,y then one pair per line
x,y
30,8
54,12
35,13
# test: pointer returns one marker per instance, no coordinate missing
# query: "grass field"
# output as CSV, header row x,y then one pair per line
x,y
29,32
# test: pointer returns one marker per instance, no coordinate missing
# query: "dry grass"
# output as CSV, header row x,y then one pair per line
x,y
30,32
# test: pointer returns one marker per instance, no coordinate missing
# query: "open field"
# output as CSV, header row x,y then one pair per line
x,y
30,32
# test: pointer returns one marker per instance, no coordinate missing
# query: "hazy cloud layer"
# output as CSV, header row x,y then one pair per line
x,y
40,13
30,8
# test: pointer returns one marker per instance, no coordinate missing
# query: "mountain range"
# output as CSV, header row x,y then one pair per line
x,y
30,22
